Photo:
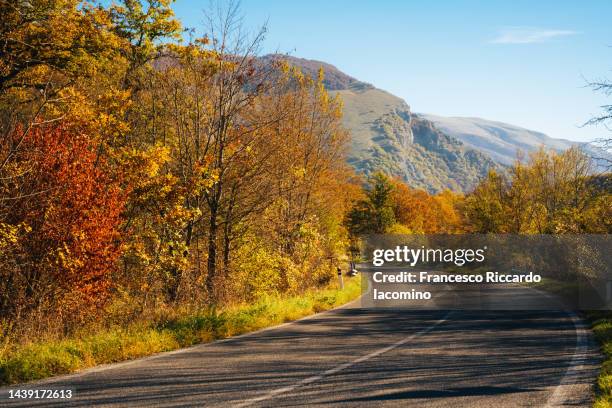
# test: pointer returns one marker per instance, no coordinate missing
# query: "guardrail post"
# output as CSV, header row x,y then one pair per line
x,y
340,280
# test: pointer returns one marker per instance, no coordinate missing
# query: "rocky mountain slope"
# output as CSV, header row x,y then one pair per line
x,y
387,136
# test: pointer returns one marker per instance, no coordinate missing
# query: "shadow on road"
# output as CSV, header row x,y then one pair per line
x,y
471,355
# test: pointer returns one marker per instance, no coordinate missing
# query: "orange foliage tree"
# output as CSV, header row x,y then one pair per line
x,y
63,210
425,213
391,206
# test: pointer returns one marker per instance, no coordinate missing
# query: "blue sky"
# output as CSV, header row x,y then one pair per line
x,y
521,62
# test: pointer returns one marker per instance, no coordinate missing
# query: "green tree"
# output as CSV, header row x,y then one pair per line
x,y
375,213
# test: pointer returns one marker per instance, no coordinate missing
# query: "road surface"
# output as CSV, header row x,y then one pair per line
x,y
361,357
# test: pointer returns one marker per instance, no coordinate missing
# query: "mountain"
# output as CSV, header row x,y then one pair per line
x,y
500,141
387,136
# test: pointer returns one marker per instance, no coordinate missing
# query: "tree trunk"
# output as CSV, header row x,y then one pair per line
x,y
212,252
226,248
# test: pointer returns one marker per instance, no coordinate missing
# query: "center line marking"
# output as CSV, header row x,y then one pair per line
x,y
337,369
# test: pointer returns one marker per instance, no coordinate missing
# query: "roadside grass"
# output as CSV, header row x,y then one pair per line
x,y
37,360
601,323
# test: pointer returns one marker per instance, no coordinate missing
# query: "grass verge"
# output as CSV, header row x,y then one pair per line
x,y
601,323
33,361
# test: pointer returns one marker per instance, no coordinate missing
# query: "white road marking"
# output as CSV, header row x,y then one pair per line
x,y
562,392
332,371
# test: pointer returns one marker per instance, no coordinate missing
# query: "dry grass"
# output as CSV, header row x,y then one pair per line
x,y
32,361
601,323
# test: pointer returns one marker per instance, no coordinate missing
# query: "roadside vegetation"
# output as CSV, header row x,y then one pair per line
x,y
158,189
164,330
601,323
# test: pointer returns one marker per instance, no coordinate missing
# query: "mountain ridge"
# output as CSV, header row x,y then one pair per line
x,y
501,141
386,135
334,79
427,151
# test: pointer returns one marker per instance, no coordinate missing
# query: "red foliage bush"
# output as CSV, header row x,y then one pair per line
x,y
59,189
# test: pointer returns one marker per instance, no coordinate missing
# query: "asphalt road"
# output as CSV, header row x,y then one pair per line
x,y
358,357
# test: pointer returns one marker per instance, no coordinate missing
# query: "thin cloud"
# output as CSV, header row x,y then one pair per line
x,y
526,35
